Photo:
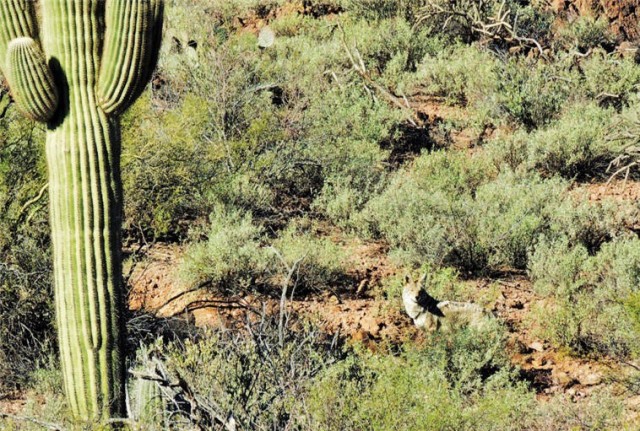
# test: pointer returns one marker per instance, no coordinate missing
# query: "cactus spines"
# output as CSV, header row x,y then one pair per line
x,y
127,66
95,58
18,20
31,79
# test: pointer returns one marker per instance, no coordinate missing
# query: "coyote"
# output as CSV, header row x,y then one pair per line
x,y
430,314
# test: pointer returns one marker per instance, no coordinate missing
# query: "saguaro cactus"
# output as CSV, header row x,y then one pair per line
x,y
77,70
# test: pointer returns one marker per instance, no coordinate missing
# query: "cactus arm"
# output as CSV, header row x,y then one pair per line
x,y
132,28
17,19
157,7
30,79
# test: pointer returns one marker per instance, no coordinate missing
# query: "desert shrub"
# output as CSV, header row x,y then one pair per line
x,y
491,22
231,256
273,131
591,224
531,93
575,145
257,375
237,256
372,10
26,307
313,263
163,168
601,411
461,382
511,213
44,403
591,307
454,210
609,80
446,211
585,33
422,208
462,75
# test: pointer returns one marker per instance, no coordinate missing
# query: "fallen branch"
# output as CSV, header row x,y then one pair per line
x,y
32,201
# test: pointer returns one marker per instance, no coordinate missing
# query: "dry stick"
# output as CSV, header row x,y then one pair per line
x,y
619,171
176,383
284,317
632,365
33,200
499,23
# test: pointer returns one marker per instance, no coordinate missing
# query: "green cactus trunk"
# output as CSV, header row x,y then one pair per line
x,y
96,57
84,187
85,208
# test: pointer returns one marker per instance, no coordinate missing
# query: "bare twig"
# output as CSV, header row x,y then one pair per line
x,y
33,200
501,26
632,365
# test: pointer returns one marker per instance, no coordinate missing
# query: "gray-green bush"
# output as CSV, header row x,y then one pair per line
x,y
461,382
594,297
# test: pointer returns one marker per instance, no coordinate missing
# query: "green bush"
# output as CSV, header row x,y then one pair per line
x,y
259,376
232,255
463,75
602,410
445,210
461,382
237,256
26,285
609,80
463,19
575,145
531,93
453,209
592,296
316,262
585,33
425,211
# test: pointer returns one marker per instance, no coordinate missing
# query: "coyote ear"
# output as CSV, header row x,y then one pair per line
x,y
422,279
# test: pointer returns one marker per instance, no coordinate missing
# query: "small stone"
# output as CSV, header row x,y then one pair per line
x,y
591,379
633,403
371,325
563,379
537,346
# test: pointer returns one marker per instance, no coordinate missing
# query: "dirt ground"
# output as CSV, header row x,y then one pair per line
x,y
365,316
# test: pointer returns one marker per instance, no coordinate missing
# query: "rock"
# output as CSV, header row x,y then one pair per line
x,y
633,403
371,325
537,346
266,38
590,379
563,379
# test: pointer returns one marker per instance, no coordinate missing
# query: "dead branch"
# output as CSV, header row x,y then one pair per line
x,y
32,201
632,365
502,26
623,163
174,387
